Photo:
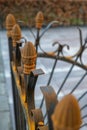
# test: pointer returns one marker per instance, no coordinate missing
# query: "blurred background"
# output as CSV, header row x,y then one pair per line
x,y
67,12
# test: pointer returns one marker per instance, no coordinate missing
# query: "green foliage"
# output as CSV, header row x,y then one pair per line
x,y
76,21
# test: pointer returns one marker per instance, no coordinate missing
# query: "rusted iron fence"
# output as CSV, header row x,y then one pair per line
x,y
62,114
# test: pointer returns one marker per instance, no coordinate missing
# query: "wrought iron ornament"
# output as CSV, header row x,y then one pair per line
x,y
63,114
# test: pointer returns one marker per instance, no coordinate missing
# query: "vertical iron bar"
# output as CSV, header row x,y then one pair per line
x,y
83,107
18,54
37,40
78,83
31,85
42,102
85,116
82,96
83,125
66,78
14,99
80,36
51,75
10,48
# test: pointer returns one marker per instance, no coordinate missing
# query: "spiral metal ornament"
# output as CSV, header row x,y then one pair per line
x,y
10,22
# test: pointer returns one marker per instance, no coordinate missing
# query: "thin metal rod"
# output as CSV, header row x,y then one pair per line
x,y
83,125
51,75
66,78
45,116
83,107
80,34
78,83
37,40
52,72
20,21
42,102
48,26
85,116
82,96
10,48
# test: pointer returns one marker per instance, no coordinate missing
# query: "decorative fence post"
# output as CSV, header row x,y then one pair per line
x,y
10,22
28,78
28,55
16,36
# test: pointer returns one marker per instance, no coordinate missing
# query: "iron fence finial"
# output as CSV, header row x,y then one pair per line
x,y
67,114
39,20
28,54
10,22
16,34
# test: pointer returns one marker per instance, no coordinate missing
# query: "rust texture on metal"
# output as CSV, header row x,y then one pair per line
x,y
39,20
10,22
32,79
51,101
67,114
37,116
16,34
28,54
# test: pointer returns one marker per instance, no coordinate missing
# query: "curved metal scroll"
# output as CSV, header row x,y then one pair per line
x,y
31,82
51,101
